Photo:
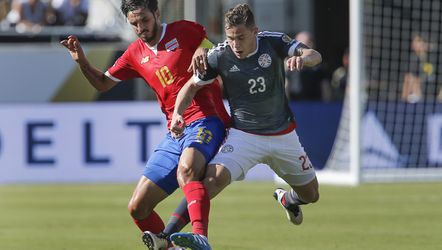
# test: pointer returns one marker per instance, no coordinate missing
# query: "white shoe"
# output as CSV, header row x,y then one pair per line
x,y
153,242
294,212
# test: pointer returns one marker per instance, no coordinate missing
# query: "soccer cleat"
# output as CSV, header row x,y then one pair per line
x,y
294,212
190,240
153,242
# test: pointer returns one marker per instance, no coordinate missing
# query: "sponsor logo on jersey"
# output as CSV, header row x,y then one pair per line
x,y
144,59
227,149
172,45
234,68
265,60
287,39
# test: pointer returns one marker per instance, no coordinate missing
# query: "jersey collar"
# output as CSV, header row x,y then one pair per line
x,y
256,50
155,47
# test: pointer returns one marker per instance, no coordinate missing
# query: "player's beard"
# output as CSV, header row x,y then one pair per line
x,y
151,38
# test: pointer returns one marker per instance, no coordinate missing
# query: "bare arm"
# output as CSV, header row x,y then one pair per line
x,y
183,101
199,59
311,57
95,76
304,56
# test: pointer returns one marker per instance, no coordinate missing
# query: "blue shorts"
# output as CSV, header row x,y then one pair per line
x,y
205,134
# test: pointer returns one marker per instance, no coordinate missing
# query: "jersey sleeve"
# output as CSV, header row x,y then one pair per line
x,y
283,43
122,69
196,33
211,72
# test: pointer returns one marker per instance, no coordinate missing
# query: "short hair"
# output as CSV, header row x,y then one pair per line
x,y
131,5
239,15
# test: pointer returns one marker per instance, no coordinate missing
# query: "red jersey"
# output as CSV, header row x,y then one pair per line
x,y
164,69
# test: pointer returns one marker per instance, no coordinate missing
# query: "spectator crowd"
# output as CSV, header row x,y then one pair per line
x,y
32,15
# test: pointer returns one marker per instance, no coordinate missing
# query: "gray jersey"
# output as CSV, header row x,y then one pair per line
x,y
254,86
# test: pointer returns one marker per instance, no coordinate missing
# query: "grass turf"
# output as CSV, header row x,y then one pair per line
x,y
245,216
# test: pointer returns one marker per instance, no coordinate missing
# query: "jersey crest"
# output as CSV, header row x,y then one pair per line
x,y
227,149
265,60
172,45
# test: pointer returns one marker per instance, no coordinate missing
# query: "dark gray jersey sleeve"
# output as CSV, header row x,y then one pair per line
x,y
284,44
211,72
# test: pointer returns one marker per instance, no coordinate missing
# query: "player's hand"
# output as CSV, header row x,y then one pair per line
x,y
199,61
295,63
177,125
74,47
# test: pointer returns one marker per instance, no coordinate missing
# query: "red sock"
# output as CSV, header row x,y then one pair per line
x,y
198,204
152,223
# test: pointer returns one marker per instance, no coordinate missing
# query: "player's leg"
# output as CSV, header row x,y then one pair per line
x,y
291,163
224,168
293,199
200,142
178,220
308,193
191,169
158,181
239,153
144,199
216,179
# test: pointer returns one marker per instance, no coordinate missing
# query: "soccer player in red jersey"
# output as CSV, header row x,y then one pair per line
x,y
161,57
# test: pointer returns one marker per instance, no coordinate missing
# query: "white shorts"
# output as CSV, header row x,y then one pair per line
x,y
284,154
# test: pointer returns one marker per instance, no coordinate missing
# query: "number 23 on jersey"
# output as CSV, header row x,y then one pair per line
x,y
257,86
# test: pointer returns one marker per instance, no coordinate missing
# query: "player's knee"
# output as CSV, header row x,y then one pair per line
x,y
133,209
315,196
210,184
215,184
187,172
312,196
308,194
137,211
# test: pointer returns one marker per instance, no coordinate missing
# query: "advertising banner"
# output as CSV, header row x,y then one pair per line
x,y
77,142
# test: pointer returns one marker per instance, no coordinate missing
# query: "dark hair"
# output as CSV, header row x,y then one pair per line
x,y
131,5
240,14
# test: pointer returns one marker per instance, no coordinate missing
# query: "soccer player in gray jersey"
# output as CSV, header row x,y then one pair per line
x,y
251,65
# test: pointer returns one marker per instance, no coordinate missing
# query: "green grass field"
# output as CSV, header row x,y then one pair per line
x,y
245,216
